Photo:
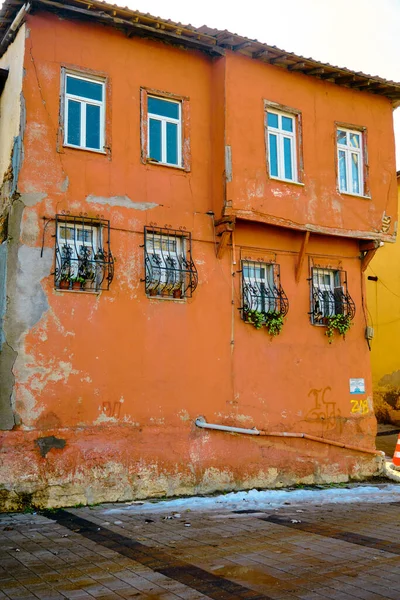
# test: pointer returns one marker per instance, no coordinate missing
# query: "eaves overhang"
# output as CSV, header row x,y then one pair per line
x,y
214,42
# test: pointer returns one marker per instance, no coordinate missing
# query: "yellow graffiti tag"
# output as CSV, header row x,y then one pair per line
x,y
359,406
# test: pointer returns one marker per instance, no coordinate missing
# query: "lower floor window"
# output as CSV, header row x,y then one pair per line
x,y
83,255
261,289
329,295
170,270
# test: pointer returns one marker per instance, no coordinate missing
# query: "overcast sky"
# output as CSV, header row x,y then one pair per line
x,y
363,35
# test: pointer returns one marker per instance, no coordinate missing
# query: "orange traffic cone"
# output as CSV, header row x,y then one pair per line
x,y
396,455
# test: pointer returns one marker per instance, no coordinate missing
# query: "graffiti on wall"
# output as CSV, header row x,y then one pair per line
x,y
324,411
359,407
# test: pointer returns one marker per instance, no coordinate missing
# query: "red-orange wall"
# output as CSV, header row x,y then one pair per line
x,y
122,377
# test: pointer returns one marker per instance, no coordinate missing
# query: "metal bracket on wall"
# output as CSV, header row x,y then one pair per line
x,y
223,229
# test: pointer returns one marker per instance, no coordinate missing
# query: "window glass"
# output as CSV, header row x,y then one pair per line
x,y
155,140
341,136
273,155
342,170
287,123
172,143
84,235
74,123
355,173
93,126
287,153
272,120
86,89
355,140
163,108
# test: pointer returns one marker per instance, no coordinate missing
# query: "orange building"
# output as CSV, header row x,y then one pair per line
x,y
186,214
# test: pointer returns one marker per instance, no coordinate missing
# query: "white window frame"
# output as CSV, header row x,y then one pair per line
x,y
83,104
75,244
268,281
164,121
349,150
281,134
179,253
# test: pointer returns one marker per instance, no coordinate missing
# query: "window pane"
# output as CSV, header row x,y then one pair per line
x,y
164,108
172,144
272,120
86,89
287,124
342,171
341,136
84,235
66,233
93,126
355,140
287,153
155,140
355,170
273,155
74,123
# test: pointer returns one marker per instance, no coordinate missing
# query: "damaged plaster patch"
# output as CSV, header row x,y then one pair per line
x,y
32,198
31,302
123,201
45,444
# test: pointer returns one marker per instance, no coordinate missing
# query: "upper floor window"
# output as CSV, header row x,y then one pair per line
x,y
170,270
329,295
164,131
84,112
281,142
350,161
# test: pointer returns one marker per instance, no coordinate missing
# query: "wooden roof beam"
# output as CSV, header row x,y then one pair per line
x,y
316,71
242,45
277,59
260,54
297,66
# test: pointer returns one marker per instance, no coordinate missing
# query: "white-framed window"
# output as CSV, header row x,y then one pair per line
x,y
83,257
170,270
350,161
258,282
281,142
84,112
261,288
164,144
329,295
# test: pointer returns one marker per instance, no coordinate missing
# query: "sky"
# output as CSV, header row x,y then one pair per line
x,y
362,35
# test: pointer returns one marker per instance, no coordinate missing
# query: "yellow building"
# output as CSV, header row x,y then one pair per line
x,y
383,308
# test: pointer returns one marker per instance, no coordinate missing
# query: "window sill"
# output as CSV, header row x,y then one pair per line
x,y
103,152
287,181
161,164
354,195
91,292
166,298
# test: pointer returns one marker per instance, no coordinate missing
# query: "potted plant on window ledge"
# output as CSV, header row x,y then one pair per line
x,y
272,321
340,323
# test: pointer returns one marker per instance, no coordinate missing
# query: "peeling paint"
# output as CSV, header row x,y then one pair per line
x,y
123,201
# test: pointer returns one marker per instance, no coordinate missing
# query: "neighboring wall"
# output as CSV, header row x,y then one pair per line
x,y
384,316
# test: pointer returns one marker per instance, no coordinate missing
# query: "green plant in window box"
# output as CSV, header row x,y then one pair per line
x,y
272,321
340,323
77,282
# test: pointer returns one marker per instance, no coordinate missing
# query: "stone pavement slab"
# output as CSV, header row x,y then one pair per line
x,y
337,552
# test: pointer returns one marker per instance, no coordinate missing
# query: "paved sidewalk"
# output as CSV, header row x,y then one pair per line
x,y
337,552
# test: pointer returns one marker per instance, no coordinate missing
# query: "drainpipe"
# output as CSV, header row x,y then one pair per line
x,y
201,422
21,14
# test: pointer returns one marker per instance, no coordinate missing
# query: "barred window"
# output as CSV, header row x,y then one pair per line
x,y
170,270
262,290
329,295
83,255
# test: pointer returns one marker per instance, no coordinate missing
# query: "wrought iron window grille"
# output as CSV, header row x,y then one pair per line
x,y
329,295
169,267
262,290
83,254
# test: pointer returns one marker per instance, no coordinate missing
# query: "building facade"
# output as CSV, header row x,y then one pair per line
x,y
186,214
